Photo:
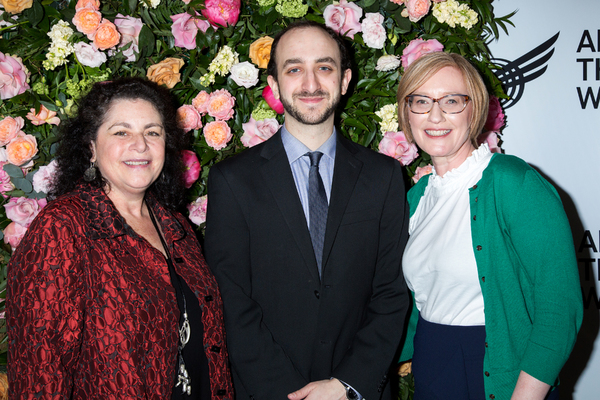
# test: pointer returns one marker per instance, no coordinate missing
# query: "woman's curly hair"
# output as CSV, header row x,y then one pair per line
x,y
74,152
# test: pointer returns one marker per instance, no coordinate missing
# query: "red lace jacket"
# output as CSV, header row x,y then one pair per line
x,y
90,309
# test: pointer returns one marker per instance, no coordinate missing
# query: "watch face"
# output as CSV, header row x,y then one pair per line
x,y
351,394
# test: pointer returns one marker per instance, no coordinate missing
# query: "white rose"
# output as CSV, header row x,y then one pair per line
x,y
244,74
44,177
388,63
88,55
373,31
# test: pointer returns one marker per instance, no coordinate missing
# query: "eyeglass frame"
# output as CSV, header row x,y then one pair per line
x,y
467,99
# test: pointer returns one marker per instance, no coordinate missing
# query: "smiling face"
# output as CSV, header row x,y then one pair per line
x,y
129,149
443,136
309,77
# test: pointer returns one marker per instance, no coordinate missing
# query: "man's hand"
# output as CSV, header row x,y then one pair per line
x,y
321,390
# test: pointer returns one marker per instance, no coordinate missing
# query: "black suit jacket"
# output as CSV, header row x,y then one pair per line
x,y
285,326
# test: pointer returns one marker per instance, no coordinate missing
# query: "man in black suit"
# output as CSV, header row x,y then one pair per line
x,y
307,249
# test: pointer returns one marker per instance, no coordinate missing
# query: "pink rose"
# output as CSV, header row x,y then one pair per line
x,y
274,103
88,55
185,28
394,144
23,210
197,210
417,47
129,28
491,138
256,132
13,76
343,18
200,102
421,172
45,116
188,118
10,128
5,183
217,134
373,31
417,9
495,119
13,234
220,105
192,168
43,180
222,12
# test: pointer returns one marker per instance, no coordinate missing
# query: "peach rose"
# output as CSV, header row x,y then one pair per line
x,y
417,9
217,134
220,105
106,35
45,116
166,72
260,51
16,6
13,234
421,172
92,4
87,21
200,102
9,129
188,118
21,149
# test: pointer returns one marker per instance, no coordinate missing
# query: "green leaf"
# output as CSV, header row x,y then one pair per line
x,y
22,184
34,14
13,171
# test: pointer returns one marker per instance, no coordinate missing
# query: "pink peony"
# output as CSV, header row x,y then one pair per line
x,y
394,144
417,47
222,12
192,168
491,138
89,55
274,103
5,183
200,102
43,180
45,116
197,210
217,134
495,119
256,132
129,28
23,210
13,234
343,18
417,9
421,172
13,76
188,118
10,128
185,28
373,31
220,105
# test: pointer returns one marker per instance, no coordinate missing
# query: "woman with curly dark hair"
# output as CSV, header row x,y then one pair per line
x,y
108,293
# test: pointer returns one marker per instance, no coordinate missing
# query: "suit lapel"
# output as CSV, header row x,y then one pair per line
x,y
278,176
345,174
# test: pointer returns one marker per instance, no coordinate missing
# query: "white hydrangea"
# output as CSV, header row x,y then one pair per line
x,y
389,118
223,62
388,63
151,3
453,13
60,48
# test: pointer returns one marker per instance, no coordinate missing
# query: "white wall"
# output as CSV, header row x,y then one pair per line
x,y
551,130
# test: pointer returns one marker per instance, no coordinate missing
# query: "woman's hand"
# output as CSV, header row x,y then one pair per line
x,y
529,388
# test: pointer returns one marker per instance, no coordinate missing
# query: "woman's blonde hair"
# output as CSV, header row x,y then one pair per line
x,y
421,70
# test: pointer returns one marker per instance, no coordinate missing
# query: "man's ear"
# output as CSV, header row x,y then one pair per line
x,y
274,87
346,78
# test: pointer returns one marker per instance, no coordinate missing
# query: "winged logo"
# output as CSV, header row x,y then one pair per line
x,y
515,74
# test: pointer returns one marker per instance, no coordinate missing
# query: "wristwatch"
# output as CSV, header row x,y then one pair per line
x,y
351,394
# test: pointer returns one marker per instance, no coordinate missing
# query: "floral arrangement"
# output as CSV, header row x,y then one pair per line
x,y
213,55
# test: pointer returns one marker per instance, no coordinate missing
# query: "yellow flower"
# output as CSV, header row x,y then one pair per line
x,y
16,6
260,51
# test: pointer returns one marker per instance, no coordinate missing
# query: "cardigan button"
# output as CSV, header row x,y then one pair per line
x,y
474,187
476,199
479,247
483,280
215,349
492,396
474,217
486,345
208,298
487,373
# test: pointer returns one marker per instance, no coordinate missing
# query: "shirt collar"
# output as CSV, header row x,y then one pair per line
x,y
295,149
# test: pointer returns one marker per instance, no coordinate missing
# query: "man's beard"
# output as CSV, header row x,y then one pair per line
x,y
308,119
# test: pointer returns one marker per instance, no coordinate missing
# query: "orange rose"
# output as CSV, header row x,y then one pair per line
x,y
87,21
93,4
16,6
260,51
21,149
217,134
166,72
10,128
106,36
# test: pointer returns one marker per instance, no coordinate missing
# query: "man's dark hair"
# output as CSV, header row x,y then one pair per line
x,y
345,62
74,152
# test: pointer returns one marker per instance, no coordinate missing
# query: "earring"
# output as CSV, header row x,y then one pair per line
x,y
90,173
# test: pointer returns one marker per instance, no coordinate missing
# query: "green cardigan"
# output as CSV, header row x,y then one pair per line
x,y
527,272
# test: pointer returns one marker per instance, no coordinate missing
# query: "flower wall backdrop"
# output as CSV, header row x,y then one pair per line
x,y
213,55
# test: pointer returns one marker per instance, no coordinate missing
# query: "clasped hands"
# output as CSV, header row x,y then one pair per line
x,y
331,389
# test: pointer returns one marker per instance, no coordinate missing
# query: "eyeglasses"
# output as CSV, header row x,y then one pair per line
x,y
449,104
